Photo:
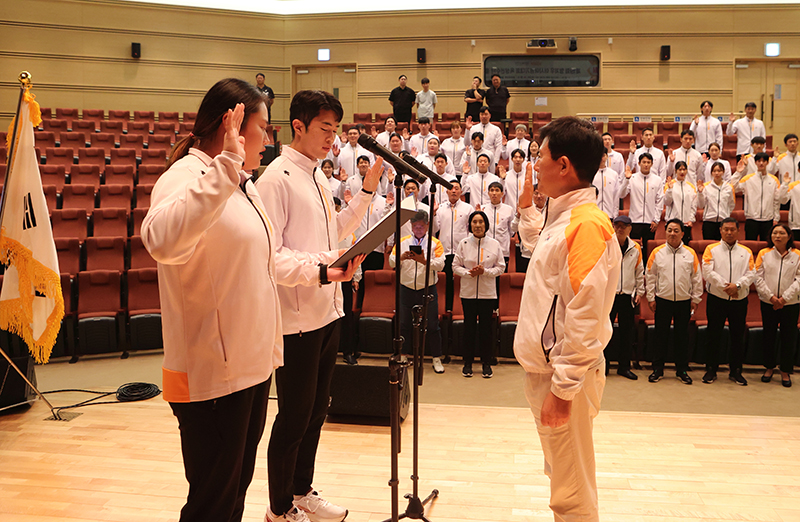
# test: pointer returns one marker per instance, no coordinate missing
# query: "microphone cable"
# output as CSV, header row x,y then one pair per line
x,y
130,392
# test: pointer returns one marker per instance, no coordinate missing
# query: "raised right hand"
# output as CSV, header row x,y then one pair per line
x,y
232,122
731,118
633,146
526,198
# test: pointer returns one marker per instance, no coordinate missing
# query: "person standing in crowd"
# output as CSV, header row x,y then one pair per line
x,y
564,312
680,197
350,152
674,289
389,125
759,145
514,178
477,185
474,99
207,221
728,270
659,163
706,128
500,216
686,154
761,196
269,94
630,289
451,220
413,250
745,129
616,161
716,198
402,99
419,141
478,262
377,209
519,142
337,187
426,100
533,155
790,193
497,97
609,188
300,208
647,200
787,161
492,135
471,154
713,156
778,285
454,147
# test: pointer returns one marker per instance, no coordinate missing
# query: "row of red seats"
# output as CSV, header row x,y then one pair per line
x,y
61,130
87,197
106,311
133,156
447,117
102,253
101,222
99,115
128,175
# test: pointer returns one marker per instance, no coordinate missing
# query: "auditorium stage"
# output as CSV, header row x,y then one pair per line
x,y
122,462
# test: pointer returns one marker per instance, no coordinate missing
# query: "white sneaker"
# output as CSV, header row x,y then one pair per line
x,y
295,515
437,365
317,509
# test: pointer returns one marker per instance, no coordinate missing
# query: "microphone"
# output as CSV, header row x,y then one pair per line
x,y
434,177
369,143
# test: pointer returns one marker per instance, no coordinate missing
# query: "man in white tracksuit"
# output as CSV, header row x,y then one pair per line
x,y
564,313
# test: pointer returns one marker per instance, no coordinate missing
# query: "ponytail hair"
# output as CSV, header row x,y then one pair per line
x,y
224,95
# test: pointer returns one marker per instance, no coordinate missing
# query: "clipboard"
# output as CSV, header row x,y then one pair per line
x,y
374,236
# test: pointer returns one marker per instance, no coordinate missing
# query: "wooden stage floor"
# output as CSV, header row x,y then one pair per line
x,y
122,462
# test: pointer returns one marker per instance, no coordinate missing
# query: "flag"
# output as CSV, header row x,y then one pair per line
x,y
31,304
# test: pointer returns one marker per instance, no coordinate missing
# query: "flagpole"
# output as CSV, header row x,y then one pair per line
x,y
25,81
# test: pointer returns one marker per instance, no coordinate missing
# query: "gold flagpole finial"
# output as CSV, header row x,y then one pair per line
x,y
25,78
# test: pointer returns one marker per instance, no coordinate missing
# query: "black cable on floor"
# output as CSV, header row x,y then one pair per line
x,y
131,392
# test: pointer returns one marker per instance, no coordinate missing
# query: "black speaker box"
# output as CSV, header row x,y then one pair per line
x,y
665,53
136,50
13,389
360,394
421,55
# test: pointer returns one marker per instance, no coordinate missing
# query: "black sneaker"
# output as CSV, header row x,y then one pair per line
x,y
709,377
487,371
350,359
738,378
627,374
656,376
466,371
684,377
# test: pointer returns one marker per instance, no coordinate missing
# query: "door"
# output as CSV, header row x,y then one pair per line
x,y
773,86
339,80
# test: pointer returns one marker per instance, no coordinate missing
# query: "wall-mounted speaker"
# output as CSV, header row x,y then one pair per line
x,y
136,50
665,53
421,55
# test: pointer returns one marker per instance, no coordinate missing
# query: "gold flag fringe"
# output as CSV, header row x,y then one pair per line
x,y
34,113
16,315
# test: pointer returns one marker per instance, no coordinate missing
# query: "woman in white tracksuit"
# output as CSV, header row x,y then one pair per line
x,y
478,261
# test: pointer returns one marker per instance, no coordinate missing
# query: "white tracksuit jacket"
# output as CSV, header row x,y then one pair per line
x,y
681,201
674,274
761,194
472,252
778,275
723,264
717,201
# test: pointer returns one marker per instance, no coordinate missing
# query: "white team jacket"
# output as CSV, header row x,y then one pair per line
x,y
786,162
499,226
412,274
778,275
673,274
647,197
609,186
569,290
723,264
681,201
761,194
791,193
631,271
451,222
472,252
300,207
717,201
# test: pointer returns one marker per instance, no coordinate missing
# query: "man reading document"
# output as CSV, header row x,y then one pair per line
x,y
564,315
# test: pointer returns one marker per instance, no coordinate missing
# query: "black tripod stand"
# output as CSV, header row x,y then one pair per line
x,y
398,365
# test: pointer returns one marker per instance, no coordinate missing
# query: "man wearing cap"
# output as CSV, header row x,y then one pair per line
x,y
630,288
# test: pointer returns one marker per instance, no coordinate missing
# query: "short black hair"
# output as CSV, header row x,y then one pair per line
x,y
646,155
395,135
307,105
677,221
578,140
424,119
495,184
361,127
410,180
485,109
390,118
425,80
789,244
761,156
607,134
750,104
362,157
482,155
518,151
440,155
759,139
261,74
476,135
648,129
708,102
681,164
730,220
687,132
477,78
402,76
480,213
421,215
789,136
496,75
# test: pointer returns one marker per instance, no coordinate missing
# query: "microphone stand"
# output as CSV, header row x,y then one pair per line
x,y
416,507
